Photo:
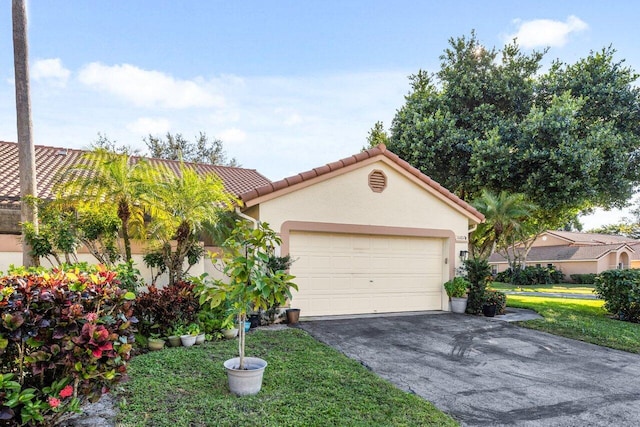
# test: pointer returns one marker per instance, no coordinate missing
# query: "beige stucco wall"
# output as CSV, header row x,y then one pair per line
x,y
547,240
347,199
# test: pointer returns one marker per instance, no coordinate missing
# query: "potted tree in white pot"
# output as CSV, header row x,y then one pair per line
x,y
457,291
251,286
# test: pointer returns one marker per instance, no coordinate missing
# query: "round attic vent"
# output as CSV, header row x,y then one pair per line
x,y
377,181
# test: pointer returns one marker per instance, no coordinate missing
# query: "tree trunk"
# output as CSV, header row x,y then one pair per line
x,y
124,213
26,150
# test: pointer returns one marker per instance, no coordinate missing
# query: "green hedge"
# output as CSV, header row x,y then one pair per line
x,y
620,290
584,279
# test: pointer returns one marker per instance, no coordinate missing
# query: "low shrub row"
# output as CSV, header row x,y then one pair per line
x,y
584,279
531,276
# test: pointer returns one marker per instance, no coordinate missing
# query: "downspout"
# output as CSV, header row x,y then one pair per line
x,y
247,217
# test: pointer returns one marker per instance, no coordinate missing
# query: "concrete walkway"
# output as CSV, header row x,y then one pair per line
x,y
552,294
490,373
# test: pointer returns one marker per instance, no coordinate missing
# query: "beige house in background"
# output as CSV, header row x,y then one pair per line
x,y
368,233
578,253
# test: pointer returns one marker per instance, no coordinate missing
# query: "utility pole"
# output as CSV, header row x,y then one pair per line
x,y
26,150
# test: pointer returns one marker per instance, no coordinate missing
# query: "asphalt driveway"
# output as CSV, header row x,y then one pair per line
x,y
486,373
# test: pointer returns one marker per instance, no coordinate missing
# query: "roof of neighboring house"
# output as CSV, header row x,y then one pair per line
x,y
380,150
569,253
51,160
589,238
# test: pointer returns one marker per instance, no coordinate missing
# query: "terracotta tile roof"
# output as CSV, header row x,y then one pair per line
x,y
380,150
568,253
590,238
50,160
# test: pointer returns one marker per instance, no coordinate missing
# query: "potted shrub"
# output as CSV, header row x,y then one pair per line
x,y
456,289
188,338
251,286
494,302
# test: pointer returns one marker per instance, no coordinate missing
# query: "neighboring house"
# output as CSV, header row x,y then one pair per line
x,y
368,233
578,253
50,161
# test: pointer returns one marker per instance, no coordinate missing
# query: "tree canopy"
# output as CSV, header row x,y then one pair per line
x,y
567,138
176,147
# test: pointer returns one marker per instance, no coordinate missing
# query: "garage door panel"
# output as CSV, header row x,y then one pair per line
x,y
352,274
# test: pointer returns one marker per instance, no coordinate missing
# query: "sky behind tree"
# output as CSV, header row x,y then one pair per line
x,y
287,85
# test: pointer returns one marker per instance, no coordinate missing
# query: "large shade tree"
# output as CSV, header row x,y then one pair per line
x,y
567,139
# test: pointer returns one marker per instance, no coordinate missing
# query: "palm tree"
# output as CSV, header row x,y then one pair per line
x,y
26,150
119,181
504,214
186,204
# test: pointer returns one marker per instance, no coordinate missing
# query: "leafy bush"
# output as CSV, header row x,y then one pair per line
x,y
478,270
457,287
620,289
584,279
65,337
497,298
530,276
159,309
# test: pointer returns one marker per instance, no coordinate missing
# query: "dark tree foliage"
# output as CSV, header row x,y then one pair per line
x,y
176,147
567,139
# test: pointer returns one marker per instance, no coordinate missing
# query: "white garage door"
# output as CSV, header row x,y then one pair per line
x,y
354,273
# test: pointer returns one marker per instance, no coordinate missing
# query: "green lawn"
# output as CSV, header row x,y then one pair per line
x,y
305,384
570,288
579,319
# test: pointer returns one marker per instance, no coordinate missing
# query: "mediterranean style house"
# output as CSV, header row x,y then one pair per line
x,y
368,233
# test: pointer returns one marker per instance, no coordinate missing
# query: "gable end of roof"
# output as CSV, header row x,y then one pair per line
x,y
380,150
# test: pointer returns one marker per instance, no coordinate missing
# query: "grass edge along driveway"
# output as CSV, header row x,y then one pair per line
x,y
306,384
579,319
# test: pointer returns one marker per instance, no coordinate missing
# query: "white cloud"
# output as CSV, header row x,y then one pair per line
x,y
232,135
146,88
546,32
50,71
148,125
292,120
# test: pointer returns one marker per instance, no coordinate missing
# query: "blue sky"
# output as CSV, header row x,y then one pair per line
x,y
287,85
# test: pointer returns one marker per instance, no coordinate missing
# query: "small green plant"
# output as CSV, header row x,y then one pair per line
x,y
252,285
457,287
193,329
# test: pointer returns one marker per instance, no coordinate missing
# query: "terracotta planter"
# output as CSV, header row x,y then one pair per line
x,y
293,315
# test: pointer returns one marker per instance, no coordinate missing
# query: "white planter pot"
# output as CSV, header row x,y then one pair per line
x,y
247,381
458,305
188,340
230,333
200,338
